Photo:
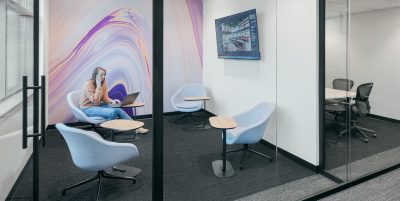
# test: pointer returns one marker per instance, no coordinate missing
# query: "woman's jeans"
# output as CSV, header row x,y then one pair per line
x,y
106,111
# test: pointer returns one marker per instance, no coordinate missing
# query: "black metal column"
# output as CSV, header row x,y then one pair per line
x,y
158,115
36,99
321,84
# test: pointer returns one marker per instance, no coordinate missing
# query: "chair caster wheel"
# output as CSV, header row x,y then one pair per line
x,y
63,193
366,140
270,160
374,135
134,182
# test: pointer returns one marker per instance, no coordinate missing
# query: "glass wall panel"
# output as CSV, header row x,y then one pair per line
x,y
337,87
3,14
16,60
374,68
298,137
203,42
361,39
81,36
16,49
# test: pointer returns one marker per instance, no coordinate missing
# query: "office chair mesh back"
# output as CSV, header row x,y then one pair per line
x,y
362,98
343,84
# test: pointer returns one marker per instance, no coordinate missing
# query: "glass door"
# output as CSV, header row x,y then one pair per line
x,y
338,87
374,68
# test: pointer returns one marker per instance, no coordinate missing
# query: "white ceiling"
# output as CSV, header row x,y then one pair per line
x,y
338,7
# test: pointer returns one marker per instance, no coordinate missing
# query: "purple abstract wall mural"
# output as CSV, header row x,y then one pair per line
x,y
117,35
183,45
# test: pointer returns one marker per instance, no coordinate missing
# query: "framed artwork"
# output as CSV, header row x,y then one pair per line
x,y
237,36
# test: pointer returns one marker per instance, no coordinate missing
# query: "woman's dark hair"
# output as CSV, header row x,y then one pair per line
x,y
95,71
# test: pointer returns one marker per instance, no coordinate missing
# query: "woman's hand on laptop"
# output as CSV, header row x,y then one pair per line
x,y
115,101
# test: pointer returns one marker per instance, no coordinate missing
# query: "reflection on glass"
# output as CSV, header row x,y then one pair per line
x,y
2,48
16,59
361,130
337,91
17,46
374,67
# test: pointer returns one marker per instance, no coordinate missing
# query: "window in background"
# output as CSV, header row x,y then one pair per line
x,y
16,44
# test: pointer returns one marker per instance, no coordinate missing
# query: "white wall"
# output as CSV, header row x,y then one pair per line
x,y
286,73
297,80
236,85
374,57
335,49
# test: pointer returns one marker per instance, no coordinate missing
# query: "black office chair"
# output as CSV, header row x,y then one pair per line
x,y
361,107
341,84
334,107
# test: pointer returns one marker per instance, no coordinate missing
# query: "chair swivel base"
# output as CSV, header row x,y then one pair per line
x,y
246,148
189,115
218,170
123,170
360,130
99,176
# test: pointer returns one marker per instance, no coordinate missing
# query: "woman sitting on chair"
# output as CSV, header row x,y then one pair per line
x,y
94,99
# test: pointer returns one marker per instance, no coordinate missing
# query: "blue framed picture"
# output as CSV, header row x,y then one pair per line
x,y
237,36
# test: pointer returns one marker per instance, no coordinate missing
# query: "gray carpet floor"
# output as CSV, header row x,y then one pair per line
x,y
385,187
188,174
295,190
367,165
335,154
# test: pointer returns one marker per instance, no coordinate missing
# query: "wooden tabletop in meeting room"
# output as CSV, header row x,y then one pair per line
x,y
336,93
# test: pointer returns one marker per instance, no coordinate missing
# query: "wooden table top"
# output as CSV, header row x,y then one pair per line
x,y
135,104
122,124
196,98
336,93
222,122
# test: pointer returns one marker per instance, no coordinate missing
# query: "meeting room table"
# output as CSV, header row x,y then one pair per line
x,y
336,93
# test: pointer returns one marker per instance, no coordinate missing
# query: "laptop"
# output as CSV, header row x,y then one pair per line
x,y
129,99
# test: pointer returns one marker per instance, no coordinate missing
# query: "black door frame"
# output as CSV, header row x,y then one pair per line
x,y
158,110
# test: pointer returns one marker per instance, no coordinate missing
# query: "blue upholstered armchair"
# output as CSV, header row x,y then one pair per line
x,y
90,152
250,129
73,103
188,107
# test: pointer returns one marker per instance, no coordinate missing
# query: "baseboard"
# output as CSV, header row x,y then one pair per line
x,y
296,159
208,112
332,177
396,121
